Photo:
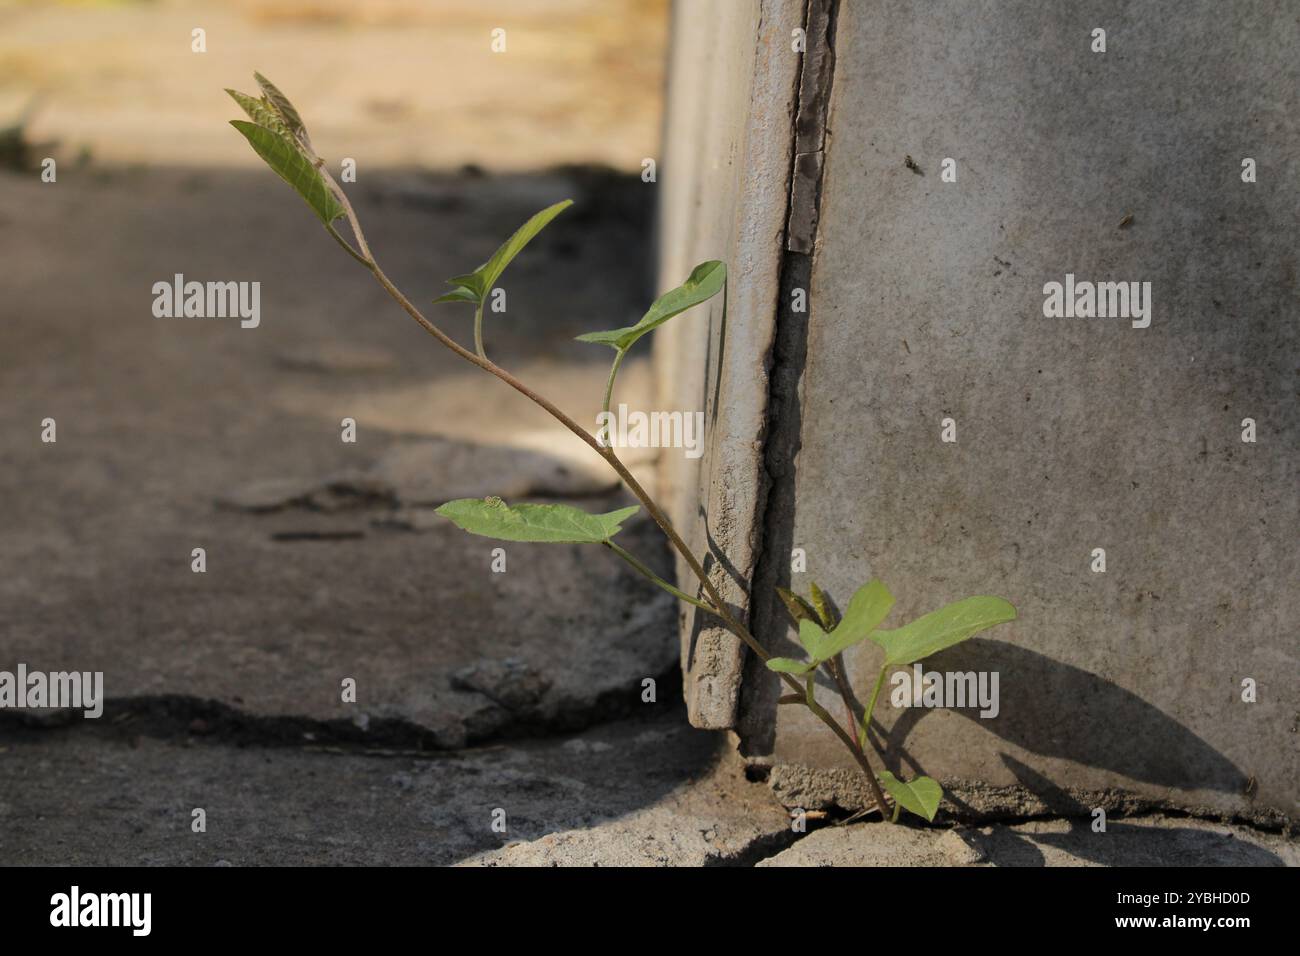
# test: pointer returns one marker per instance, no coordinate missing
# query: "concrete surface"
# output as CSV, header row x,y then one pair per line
x,y
123,793
727,151
1149,841
716,818
926,303
183,433
649,790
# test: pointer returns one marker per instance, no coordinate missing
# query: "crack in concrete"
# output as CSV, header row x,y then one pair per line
x,y
184,716
1118,806
786,362
768,846
761,847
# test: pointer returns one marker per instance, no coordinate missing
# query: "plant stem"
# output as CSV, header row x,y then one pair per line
x,y
347,248
871,707
613,373
719,606
836,665
366,259
650,575
478,331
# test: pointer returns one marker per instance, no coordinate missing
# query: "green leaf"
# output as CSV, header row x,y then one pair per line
x,y
493,518
788,665
704,282
293,167
921,796
812,637
869,606
943,628
460,294
798,608
280,103
477,284
260,113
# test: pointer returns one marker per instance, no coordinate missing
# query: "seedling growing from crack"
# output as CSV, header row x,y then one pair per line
x,y
278,134
824,640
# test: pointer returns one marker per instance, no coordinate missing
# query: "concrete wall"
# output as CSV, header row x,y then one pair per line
x,y
926,303
727,149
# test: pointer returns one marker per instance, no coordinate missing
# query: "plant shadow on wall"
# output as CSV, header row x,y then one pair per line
x,y
1059,711
278,135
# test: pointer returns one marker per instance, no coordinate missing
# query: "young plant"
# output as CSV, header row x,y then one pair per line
x,y
277,133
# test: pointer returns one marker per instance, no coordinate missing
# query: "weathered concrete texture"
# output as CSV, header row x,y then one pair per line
x,y
727,152
926,303
796,784
1073,434
106,796
715,819
313,575
1146,841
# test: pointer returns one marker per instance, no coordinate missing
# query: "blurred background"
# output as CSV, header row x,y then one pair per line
x,y
398,82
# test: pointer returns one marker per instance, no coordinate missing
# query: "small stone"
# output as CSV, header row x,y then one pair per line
x,y
958,849
510,682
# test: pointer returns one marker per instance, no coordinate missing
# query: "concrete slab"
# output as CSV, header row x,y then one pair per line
x,y
728,147
1072,434
113,797
646,791
159,418
925,305
716,819
1146,841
